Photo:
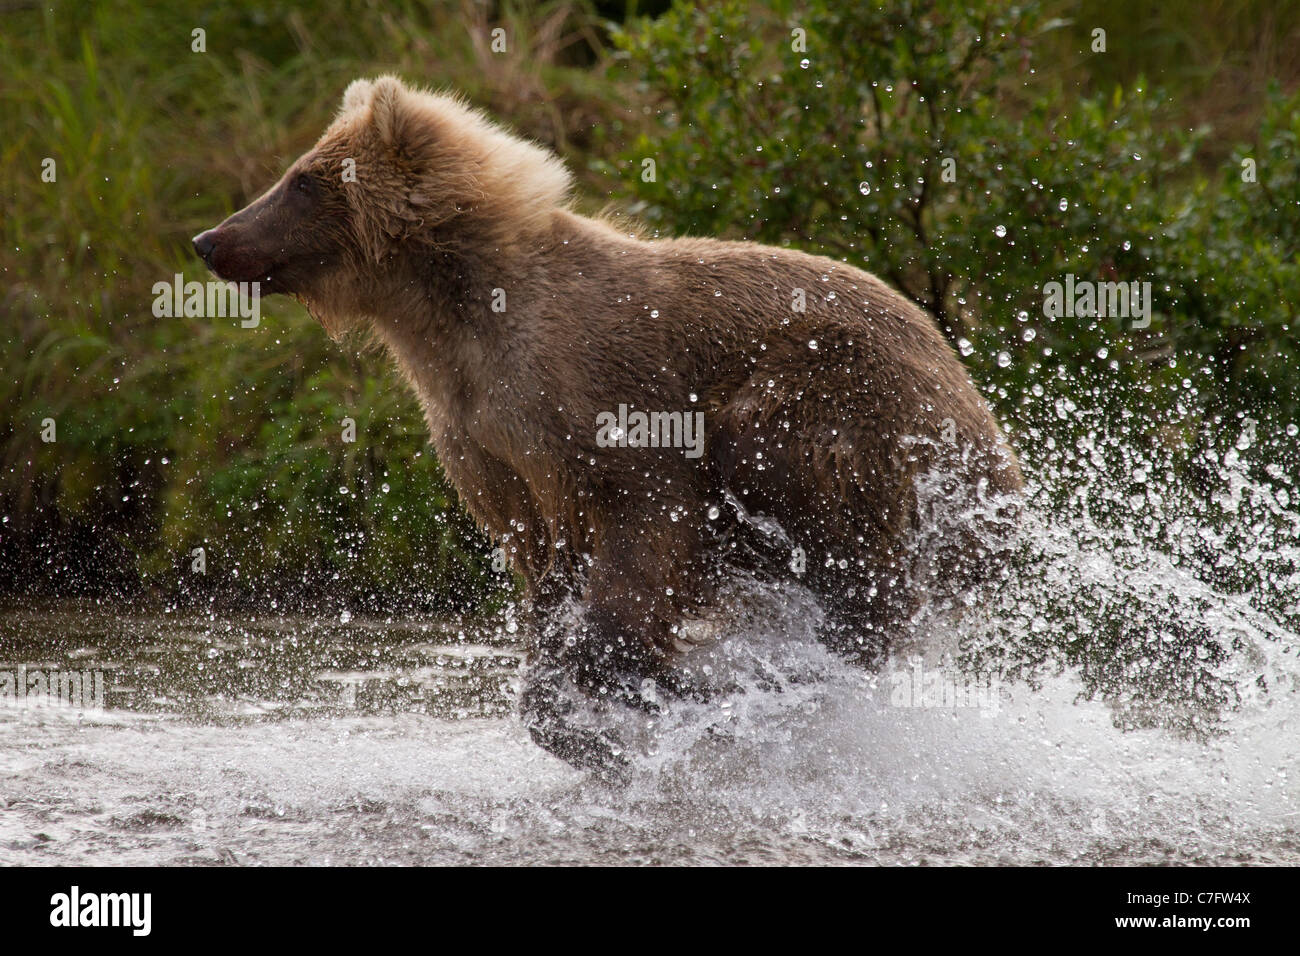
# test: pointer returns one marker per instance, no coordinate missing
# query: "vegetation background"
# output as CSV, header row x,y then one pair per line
x,y
178,433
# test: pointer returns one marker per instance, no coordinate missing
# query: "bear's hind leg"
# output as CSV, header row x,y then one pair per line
x,y
864,610
854,634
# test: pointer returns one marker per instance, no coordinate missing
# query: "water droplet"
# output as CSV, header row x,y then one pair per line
x,y
1000,231
864,188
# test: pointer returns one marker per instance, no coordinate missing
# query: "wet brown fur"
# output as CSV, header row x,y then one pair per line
x,y
448,207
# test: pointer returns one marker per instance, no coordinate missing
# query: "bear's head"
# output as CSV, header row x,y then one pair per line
x,y
399,174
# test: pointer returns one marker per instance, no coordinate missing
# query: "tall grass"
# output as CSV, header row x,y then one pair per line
x,y
180,433
1217,56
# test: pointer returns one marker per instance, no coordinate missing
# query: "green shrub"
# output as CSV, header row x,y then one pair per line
x,y
841,147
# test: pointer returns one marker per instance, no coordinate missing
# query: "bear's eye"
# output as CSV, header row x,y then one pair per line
x,y
303,183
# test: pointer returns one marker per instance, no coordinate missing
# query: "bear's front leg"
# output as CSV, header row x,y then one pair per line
x,y
594,661
614,656
548,711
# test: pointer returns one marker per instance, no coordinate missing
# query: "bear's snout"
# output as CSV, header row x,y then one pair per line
x,y
233,255
204,243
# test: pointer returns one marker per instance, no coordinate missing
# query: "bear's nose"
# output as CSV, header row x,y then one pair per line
x,y
204,243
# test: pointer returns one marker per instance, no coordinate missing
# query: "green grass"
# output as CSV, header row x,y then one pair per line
x,y
177,433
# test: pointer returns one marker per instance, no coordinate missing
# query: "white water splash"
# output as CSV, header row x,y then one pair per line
x,y
804,757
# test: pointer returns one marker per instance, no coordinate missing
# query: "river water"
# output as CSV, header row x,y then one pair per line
x,y
1142,711
293,740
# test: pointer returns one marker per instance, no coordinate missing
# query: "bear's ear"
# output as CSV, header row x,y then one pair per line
x,y
357,95
394,113
391,111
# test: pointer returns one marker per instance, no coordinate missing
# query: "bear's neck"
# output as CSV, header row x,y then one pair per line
x,y
457,317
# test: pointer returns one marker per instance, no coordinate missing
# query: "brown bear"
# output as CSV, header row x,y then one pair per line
x,y
634,420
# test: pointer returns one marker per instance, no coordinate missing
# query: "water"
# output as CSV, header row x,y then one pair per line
x,y
1127,695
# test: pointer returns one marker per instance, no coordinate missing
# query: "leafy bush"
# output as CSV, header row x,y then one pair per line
x,y
831,126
